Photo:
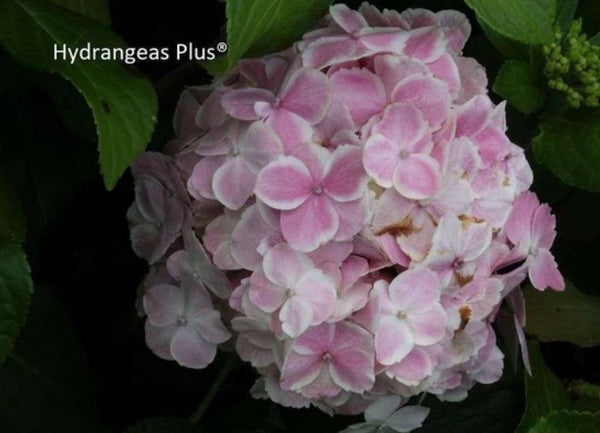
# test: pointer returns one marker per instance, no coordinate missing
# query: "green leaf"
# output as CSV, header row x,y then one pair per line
x,y
527,21
261,26
517,83
509,48
124,105
12,225
565,12
569,145
563,316
162,425
15,295
96,9
595,39
44,384
544,392
568,422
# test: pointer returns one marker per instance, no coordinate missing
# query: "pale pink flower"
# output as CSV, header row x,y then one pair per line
x,y
318,192
330,358
303,294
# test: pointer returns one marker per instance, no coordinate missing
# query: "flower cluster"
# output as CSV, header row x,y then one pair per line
x,y
351,210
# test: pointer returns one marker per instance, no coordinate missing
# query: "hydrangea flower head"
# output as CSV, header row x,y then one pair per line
x,y
359,194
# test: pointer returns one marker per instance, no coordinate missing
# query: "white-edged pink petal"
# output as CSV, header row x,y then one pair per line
x,y
393,340
311,224
233,183
417,177
284,184
345,178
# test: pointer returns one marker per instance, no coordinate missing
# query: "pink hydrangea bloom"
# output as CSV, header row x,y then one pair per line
x,y
359,193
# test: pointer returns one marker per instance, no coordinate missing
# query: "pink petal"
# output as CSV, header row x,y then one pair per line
x,y
383,40
446,70
543,226
158,339
414,368
328,51
403,124
292,129
417,177
240,103
248,234
456,27
296,315
284,184
261,145
310,225
353,371
307,94
345,178
426,44
393,340
543,272
473,115
428,328
233,183
319,291
393,69
353,217
209,326
348,19
163,304
192,351
380,158
415,290
199,184
285,266
264,294
316,341
299,370
518,225
361,91
428,94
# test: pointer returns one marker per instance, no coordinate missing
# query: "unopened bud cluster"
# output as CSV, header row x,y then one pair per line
x,y
573,66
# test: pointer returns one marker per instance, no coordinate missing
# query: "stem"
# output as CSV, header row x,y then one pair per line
x,y
213,390
421,399
581,388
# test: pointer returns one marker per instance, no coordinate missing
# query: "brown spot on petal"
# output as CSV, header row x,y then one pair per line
x,y
506,181
468,221
465,316
404,227
461,279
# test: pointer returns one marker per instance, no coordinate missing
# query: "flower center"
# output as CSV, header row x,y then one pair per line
x,y
401,315
276,102
458,263
181,320
318,190
326,356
